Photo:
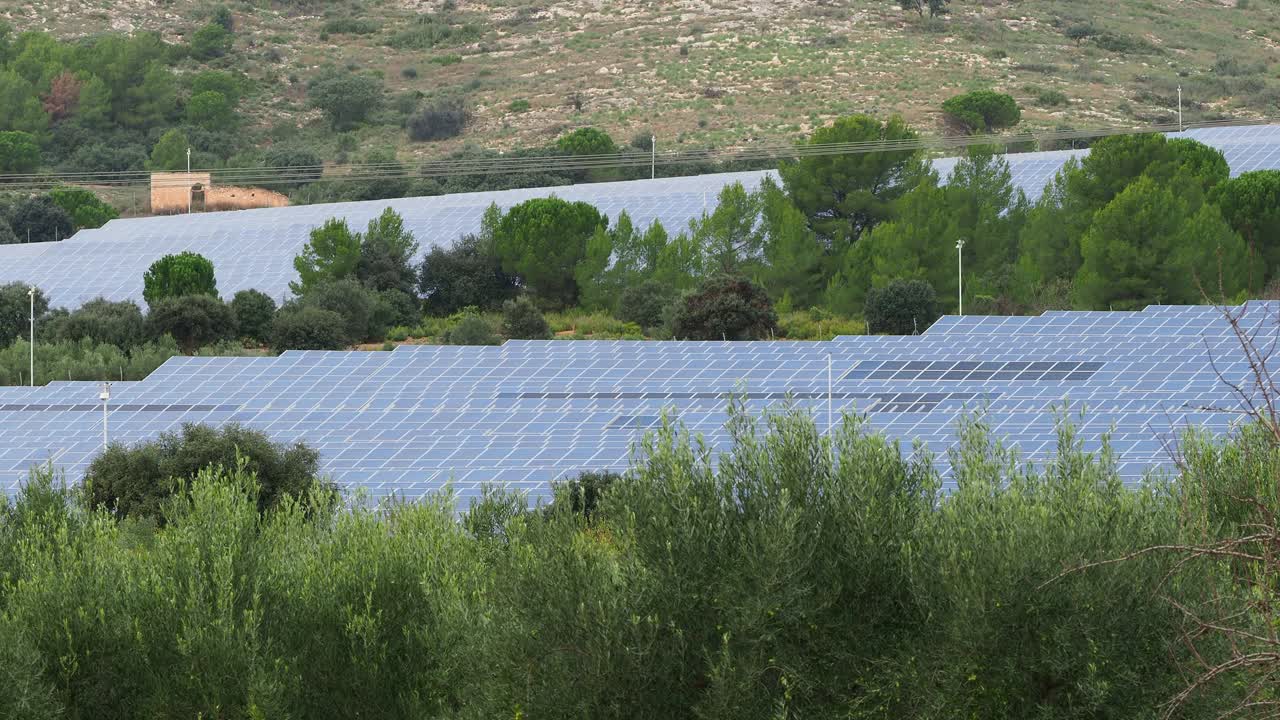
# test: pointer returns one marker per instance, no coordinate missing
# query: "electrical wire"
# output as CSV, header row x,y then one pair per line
x,y
363,172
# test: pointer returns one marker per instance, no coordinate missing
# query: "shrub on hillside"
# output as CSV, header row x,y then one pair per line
x,y
903,307
522,321
137,481
725,307
254,311
439,120
305,327
192,320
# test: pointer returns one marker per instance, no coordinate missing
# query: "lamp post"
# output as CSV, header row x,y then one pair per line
x,y
653,156
31,293
830,425
1179,108
960,272
189,193
105,395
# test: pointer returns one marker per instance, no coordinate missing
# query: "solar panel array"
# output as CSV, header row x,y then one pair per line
x,y
409,421
255,248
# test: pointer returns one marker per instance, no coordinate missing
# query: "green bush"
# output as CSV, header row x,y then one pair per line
x,y
192,320
353,303
179,275
518,106
211,41
725,307
84,207
645,304
522,321
445,60
903,307
427,31
472,330
441,119
254,311
306,327
350,26
100,321
347,99
138,481
40,219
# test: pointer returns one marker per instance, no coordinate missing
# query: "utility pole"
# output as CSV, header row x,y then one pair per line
x,y
1179,108
31,293
653,156
960,272
189,181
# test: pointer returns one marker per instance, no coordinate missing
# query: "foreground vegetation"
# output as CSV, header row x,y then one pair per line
x,y
772,583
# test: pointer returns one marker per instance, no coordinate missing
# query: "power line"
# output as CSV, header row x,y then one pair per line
x,y
356,172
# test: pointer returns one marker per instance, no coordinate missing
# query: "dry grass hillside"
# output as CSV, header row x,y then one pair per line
x,y
728,72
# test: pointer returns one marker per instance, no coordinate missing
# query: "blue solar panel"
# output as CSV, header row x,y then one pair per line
x,y
410,421
255,248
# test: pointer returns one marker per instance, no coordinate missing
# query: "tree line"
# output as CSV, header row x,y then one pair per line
x,y
213,573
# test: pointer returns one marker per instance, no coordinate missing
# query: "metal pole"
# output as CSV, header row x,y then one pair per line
x,y
1179,108
189,200
653,156
105,396
960,272
830,424
32,294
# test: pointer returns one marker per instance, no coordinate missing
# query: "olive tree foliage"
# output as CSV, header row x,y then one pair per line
x,y
180,275
138,481
542,241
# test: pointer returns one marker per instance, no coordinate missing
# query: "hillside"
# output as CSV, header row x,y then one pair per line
x,y
719,72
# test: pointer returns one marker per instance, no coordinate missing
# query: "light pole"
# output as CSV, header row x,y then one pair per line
x,y
189,200
31,293
653,156
105,395
960,272
830,426
1179,108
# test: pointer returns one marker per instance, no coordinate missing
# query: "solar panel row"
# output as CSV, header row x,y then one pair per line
x,y
408,422
255,248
